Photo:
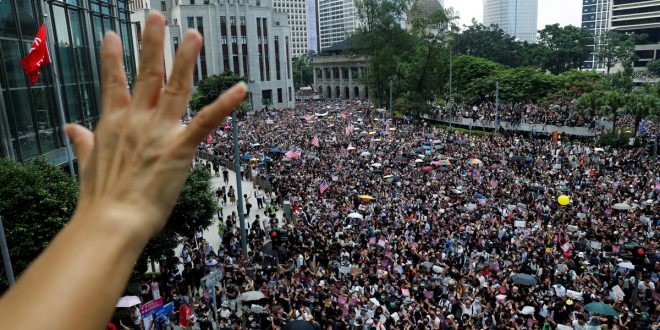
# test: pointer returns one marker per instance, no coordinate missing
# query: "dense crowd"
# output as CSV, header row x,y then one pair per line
x,y
421,228
553,114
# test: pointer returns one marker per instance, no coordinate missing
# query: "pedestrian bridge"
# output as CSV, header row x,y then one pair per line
x,y
521,127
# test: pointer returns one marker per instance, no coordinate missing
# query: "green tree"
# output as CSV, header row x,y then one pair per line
x,y
590,104
267,103
427,68
194,210
36,200
387,44
210,88
640,105
614,106
615,48
303,75
653,67
492,43
567,47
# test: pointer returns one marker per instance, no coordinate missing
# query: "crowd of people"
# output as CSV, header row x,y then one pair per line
x,y
405,226
553,114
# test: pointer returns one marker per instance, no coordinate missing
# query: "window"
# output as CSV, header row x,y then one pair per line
x,y
234,40
290,94
163,6
192,2
279,95
176,22
175,41
242,20
223,20
191,22
200,24
224,40
243,40
232,20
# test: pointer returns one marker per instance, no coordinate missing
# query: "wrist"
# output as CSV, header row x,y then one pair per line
x,y
123,227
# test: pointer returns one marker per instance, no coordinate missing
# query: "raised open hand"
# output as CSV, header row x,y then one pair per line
x,y
133,167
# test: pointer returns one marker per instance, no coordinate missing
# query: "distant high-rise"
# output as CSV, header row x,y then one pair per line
x,y
595,18
640,17
423,9
517,18
302,21
337,21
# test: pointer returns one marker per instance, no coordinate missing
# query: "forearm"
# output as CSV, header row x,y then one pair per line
x,y
77,279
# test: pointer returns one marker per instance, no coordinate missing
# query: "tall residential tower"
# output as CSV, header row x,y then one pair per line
x,y
517,18
302,22
595,18
641,17
337,21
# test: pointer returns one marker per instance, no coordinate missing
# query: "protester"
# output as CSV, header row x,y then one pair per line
x,y
453,217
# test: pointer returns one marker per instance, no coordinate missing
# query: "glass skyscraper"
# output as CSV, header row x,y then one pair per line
x,y
29,117
518,18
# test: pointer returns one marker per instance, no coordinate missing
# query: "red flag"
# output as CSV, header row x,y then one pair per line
x,y
209,139
37,56
315,142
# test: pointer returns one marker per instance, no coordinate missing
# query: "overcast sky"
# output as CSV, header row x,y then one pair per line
x,y
564,12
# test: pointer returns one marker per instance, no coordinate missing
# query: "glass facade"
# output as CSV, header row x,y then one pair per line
x,y
29,119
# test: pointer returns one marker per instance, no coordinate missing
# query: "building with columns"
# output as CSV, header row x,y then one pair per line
x,y
245,37
340,76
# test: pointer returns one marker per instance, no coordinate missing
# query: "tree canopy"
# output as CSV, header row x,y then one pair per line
x,y
36,200
210,88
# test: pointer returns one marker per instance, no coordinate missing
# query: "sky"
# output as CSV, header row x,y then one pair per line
x,y
564,12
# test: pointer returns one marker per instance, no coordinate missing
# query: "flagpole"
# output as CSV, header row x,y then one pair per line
x,y
57,86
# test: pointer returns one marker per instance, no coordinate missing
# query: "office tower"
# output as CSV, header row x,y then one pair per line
x,y
517,18
30,122
337,21
641,17
244,37
302,23
595,18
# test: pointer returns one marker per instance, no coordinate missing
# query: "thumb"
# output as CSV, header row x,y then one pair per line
x,y
83,142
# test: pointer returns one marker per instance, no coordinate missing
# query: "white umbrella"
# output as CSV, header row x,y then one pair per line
x,y
622,206
356,216
128,301
251,295
527,310
350,148
626,265
365,154
599,150
376,165
374,301
418,161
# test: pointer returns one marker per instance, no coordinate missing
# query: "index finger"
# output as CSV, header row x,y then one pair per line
x,y
213,114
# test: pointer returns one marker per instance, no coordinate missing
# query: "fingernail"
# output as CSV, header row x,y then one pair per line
x,y
240,87
70,131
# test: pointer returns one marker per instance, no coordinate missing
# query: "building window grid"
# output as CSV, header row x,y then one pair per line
x,y
78,86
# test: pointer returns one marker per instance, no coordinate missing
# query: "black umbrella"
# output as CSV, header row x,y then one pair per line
x,y
525,279
298,325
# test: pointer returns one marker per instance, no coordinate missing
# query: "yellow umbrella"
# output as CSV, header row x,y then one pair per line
x,y
372,132
365,197
392,129
254,159
388,176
